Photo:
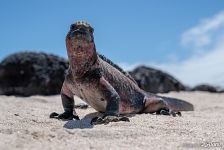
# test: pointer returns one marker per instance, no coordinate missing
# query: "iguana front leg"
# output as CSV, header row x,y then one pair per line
x,y
68,105
112,108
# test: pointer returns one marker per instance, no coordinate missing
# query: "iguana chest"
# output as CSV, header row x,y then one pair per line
x,y
130,102
89,92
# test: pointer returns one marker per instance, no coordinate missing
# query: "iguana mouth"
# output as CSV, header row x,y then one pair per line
x,y
81,36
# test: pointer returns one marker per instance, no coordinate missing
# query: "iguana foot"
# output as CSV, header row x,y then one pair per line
x,y
107,119
168,112
64,116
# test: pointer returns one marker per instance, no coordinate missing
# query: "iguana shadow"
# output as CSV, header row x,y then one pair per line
x,y
84,123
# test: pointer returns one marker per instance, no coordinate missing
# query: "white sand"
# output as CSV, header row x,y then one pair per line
x,y
25,124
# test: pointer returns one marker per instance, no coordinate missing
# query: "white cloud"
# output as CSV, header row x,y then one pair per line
x,y
206,64
204,34
204,68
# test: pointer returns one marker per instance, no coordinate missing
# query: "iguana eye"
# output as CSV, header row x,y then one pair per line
x,y
72,27
91,29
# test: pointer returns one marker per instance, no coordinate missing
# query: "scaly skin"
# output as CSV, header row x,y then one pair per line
x,y
105,86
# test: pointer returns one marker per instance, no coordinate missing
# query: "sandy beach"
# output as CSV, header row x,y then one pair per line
x,y
25,124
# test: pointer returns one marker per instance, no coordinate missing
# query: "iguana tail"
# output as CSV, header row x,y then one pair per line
x,y
177,104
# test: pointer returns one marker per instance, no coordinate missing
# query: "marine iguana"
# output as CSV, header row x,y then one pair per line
x,y
105,86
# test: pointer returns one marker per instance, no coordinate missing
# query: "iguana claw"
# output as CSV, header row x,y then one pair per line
x,y
107,119
64,116
168,112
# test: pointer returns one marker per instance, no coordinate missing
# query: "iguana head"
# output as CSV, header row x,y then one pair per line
x,y
81,31
80,45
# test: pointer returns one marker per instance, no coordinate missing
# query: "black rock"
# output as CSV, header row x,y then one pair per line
x,y
206,87
31,73
155,81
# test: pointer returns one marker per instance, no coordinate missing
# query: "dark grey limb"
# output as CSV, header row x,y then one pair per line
x,y
112,108
68,105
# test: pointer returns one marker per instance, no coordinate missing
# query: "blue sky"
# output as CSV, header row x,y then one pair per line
x,y
130,32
